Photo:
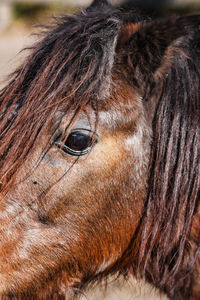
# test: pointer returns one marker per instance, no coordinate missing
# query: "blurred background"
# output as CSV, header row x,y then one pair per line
x,y
17,19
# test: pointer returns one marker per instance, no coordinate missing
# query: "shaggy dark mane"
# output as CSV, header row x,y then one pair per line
x,y
167,246
169,250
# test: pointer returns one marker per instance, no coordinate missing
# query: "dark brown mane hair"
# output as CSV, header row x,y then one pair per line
x,y
174,179
73,65
169,251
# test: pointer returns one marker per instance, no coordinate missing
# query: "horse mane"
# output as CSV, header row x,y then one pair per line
x,y
169,248
71,67
169,235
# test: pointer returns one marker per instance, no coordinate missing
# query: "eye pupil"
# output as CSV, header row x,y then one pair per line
x,y
78,141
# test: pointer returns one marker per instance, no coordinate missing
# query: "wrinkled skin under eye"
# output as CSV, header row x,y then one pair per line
x,y
78,142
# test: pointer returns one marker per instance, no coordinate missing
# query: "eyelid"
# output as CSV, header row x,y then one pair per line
x,y
83,131
61,134
80,130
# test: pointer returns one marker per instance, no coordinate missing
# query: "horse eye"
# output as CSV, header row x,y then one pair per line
x,y
77,143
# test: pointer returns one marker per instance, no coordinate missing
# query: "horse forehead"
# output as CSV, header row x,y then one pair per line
x,y
120,111
124,115
113,119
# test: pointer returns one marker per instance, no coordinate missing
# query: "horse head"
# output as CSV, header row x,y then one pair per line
x,y
99,169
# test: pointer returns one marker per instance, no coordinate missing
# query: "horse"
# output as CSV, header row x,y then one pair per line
x,y
99,156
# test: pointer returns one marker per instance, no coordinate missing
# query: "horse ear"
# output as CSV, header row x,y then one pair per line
x,y
148,47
